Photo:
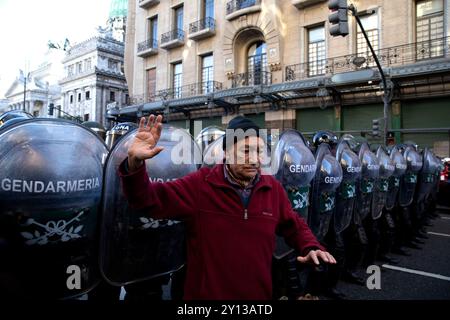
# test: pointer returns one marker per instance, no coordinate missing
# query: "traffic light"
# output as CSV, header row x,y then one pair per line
x,y
390,139
51,107
375,127
338,17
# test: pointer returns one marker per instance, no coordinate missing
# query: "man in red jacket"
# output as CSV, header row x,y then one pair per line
x,y
232,213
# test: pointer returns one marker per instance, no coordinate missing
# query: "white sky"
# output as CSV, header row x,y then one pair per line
x,y
27,25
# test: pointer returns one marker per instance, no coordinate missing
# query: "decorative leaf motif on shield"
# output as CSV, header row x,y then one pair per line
x,y
411,178
367,186
301,200
149,223
327,202
52,231
384,185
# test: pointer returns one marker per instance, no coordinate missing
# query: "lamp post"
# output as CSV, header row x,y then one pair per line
x,y
387,85
25,90
338,19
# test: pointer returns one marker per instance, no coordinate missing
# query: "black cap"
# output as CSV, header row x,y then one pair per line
x,y
242,123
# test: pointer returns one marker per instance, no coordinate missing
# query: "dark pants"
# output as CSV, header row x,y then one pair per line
x,y
355,244
387,233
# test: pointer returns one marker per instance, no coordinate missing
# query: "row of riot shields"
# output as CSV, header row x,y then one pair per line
x,y
65,223
353,183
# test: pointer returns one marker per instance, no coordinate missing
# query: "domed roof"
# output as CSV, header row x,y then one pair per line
x,y
118,8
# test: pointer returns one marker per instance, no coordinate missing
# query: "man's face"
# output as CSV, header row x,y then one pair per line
x,y
245,158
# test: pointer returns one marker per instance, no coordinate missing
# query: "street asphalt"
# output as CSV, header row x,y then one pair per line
x,y
425,275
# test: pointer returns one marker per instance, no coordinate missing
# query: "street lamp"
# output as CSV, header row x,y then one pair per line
x,y
387,85
338,19
24,78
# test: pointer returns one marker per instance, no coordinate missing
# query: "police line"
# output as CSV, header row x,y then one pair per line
x,y
60,193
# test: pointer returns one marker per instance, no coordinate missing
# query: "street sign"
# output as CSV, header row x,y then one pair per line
x,y
360,75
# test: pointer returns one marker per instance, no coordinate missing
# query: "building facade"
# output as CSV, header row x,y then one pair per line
x,y
204,61
93,79
94,71
40,86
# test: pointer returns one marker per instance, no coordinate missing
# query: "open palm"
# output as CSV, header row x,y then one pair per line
x,y
144,145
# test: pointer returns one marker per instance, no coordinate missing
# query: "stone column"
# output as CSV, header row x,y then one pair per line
x,y
120,97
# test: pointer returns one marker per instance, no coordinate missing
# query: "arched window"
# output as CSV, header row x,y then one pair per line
x,y
257,63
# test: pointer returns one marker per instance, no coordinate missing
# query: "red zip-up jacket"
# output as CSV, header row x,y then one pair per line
x,y
229,247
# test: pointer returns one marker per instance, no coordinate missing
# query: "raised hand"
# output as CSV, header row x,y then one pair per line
x,y
144,144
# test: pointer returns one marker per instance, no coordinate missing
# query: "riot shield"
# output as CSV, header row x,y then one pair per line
x,y
327,179
208,135
50,191
96,127
133,246
426,177
346,193
117,132
369,177
435,187
13,116
409,179
294,166
213,154
394,181
381,190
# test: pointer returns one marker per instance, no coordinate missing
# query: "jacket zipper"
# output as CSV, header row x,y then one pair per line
x,y
239,197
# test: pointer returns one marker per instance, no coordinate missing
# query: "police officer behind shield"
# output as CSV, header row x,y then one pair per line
x,y
232,213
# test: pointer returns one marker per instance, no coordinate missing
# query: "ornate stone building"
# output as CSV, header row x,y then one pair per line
x,y
41,87
94,76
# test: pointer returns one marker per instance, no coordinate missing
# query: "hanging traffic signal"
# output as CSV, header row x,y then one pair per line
x,y
375,127
51,107
338,17
390,139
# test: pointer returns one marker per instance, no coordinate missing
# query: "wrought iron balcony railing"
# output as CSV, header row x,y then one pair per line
x,y
251,79
190,90
176,34
235,5
147,44
206,23
389,57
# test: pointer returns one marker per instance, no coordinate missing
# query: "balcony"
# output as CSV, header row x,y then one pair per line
x,y
147,48
255,78
407,54
148,3
202,29
237,8
172,39
300,4
190,90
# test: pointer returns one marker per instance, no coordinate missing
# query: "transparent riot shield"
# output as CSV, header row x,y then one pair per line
x,y
394,181
346,193
380,194
409,180
327,179
50,191
293,164
369,177
134,247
